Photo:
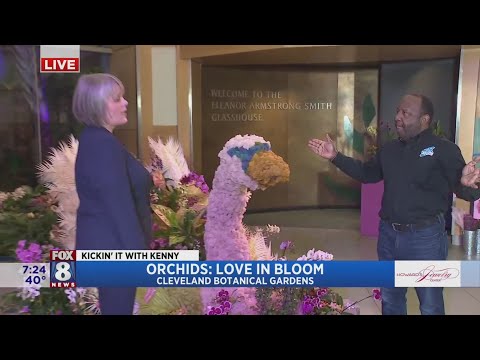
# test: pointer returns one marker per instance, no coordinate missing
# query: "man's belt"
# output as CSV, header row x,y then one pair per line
x,y
421,224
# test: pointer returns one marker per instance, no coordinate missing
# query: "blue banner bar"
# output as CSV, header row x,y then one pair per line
x,y
470,273
235,274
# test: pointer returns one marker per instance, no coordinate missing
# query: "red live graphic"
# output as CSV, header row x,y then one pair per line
x,y
60,64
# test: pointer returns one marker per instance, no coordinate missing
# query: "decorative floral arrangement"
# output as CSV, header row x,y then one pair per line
x,y
226,202
291,300
302,301
179,203
223,304
247,163
180,215
187,215
34,221
34,300
27,213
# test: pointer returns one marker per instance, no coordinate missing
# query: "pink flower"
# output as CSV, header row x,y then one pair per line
x,y
377,294
158,179
149,295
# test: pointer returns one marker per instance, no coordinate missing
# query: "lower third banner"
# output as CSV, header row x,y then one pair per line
x,y
233,274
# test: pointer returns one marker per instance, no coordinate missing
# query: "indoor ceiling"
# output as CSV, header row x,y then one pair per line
x,y
315,54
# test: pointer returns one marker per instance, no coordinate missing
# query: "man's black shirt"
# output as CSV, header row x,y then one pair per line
x,y
419,176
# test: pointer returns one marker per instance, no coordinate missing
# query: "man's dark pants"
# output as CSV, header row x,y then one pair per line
x,y
429,243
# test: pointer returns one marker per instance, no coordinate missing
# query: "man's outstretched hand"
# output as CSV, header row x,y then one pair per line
x,y
470,174
324,148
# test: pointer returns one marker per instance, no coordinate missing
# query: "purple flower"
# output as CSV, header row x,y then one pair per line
x,y
155,164
214,310
197,180
226,306
24,310
307,307
322,292
223,296
285,245
159,243
31,254
71,295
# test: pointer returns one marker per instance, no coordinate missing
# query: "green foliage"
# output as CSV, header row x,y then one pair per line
x,y
366,139
14,170
358,141
28,214
183,225
180,218
169,197
29,217
368,110
51,302
438,130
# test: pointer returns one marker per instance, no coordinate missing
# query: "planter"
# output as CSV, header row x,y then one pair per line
x,y
476,209
371,202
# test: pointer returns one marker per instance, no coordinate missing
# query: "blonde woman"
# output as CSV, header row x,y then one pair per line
x,y
113,187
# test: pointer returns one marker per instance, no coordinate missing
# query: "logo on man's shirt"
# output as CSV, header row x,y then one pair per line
x,y
427,151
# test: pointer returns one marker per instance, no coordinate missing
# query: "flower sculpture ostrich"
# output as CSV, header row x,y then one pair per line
x,y
246,163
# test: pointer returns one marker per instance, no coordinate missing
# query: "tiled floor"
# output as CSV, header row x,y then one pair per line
x,y
336,232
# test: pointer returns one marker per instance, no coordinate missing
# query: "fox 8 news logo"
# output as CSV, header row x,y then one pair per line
x,y
62,268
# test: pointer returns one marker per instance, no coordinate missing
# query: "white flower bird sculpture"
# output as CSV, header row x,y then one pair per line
x,y
246,163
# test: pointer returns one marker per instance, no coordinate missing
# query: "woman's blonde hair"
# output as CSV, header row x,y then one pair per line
x,y
91,95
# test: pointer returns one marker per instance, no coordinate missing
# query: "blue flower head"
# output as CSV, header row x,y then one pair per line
x,y
246,155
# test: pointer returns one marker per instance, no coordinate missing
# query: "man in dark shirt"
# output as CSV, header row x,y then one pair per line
x,y
420,170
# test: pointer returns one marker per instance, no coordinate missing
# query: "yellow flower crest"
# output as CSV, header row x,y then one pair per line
x,y
268,169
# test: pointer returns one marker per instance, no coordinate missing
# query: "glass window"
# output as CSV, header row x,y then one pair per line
x,y
35,110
